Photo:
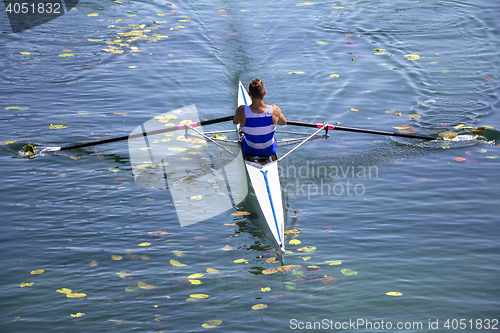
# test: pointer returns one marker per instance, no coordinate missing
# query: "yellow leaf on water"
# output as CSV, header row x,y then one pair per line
x,y
412,116
380,53
196,275
94,40
347,271
197,146
321,42
265,289
64,291
493,157
57,126
195,281
178,149
394,293
238,261
227,248
240,213
271,260
212,271
79,314
131,288
124,275
412,56
25,53
38,271
334,75
259,306
184,21
296,72
66,55
313,266
459,126
294,242
76,295
220,11
306,258
160,14
269,271
448,135
93,15
27,284
179,253
401,127
144,244
354,109
334,262
175,263
229,224
116,257
93,263
196,197
199,296
211,323
132,66
145,285
292,231
307,249
12,108
338,7
145,148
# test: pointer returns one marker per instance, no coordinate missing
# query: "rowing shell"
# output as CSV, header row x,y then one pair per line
x,y
266,185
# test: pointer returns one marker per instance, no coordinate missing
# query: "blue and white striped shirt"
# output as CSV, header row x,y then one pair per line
x,y
259,133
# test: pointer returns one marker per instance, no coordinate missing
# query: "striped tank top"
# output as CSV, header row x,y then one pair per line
x,y
258,133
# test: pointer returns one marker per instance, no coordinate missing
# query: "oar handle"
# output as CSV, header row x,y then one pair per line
x,y
138,135
361,130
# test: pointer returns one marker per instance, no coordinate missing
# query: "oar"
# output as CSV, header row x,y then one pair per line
x,y
138,135
362,130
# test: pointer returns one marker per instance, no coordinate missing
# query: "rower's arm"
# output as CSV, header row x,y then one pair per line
x,y
239,116
278,115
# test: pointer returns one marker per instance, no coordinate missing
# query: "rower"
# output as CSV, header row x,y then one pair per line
x,y
258,123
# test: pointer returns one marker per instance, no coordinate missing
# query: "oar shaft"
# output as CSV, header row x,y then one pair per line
x,y
163,130
362,130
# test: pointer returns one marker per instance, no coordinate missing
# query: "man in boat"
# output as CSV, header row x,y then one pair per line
x,y
258,123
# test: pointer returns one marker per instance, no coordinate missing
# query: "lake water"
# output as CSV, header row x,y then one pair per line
x,y
421,224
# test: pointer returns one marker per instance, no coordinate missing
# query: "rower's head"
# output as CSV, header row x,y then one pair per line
x,y
256,89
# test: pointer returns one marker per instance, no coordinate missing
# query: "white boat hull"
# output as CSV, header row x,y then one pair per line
x,y
266,185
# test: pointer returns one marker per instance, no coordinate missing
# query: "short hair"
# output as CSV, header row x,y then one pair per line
x,y
256,88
